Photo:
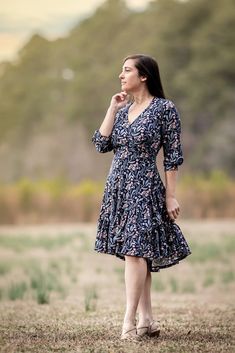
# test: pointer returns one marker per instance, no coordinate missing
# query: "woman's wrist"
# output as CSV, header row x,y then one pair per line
x,y
112,109
170,194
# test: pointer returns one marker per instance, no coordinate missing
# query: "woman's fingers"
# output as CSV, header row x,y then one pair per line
x,y
121,96
119,100
174,213
173,208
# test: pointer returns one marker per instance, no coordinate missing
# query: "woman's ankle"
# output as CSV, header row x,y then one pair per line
x,y
145,319
129,321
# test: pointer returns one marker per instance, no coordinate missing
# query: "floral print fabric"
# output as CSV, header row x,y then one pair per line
x,y
133,217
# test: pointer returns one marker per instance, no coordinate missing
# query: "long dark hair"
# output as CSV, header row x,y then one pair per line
x,y
148,67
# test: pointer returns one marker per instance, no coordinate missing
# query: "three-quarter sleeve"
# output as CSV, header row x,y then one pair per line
x,y
102,143
171,130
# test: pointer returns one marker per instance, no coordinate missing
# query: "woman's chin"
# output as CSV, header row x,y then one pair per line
x,y
124,89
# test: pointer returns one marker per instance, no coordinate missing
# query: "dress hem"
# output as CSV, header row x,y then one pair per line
x,y
156,268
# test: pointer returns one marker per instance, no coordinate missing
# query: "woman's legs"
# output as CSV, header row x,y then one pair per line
x,y
135,278
145,306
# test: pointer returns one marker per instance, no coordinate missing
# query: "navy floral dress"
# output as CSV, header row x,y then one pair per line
x,y
133,217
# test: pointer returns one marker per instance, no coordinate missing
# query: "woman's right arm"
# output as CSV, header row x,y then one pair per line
x,y
118,101
102,137
108,122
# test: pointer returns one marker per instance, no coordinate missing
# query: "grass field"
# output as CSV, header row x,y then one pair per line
x,y
58,295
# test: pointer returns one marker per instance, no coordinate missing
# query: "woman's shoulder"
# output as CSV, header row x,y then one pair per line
x,y
165,103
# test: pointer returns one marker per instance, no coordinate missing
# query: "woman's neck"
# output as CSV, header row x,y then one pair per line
x,y
141,97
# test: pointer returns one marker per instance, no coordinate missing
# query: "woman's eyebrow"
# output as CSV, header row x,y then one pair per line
x,y
126,67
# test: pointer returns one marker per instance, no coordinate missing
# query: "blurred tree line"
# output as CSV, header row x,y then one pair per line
x,y
60,201
72,79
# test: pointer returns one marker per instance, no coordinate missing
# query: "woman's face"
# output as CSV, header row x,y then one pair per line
x,y
130,79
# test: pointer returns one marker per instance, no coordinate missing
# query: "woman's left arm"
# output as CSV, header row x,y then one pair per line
x,y
173,156
172,205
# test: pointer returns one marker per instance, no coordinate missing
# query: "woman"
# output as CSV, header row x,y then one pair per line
x,y
138,213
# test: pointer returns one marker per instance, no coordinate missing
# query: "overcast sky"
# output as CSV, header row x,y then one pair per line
x,y
52,18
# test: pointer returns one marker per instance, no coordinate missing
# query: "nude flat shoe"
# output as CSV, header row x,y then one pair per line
x,y
142,331
129,334
152,330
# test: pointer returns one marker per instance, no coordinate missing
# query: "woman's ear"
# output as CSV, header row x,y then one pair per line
x,y
143,78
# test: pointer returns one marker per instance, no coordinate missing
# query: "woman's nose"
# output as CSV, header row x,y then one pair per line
x,y
121,75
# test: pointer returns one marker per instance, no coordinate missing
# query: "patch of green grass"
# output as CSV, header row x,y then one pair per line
x,y
38,282
84,241
46,279
42,296
174,285
5,267
205,252
120,273
23,242
229,244
91,297
209,280
157,284
73,278
36,277
43,282
98,270
16,290
188,287
1,293
54,265
68,265
213,251
227,276
119,270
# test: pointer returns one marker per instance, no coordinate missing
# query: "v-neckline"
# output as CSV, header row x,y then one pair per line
x,y
138,116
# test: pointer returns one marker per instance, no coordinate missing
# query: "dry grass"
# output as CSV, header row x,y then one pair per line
x,y
84,293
